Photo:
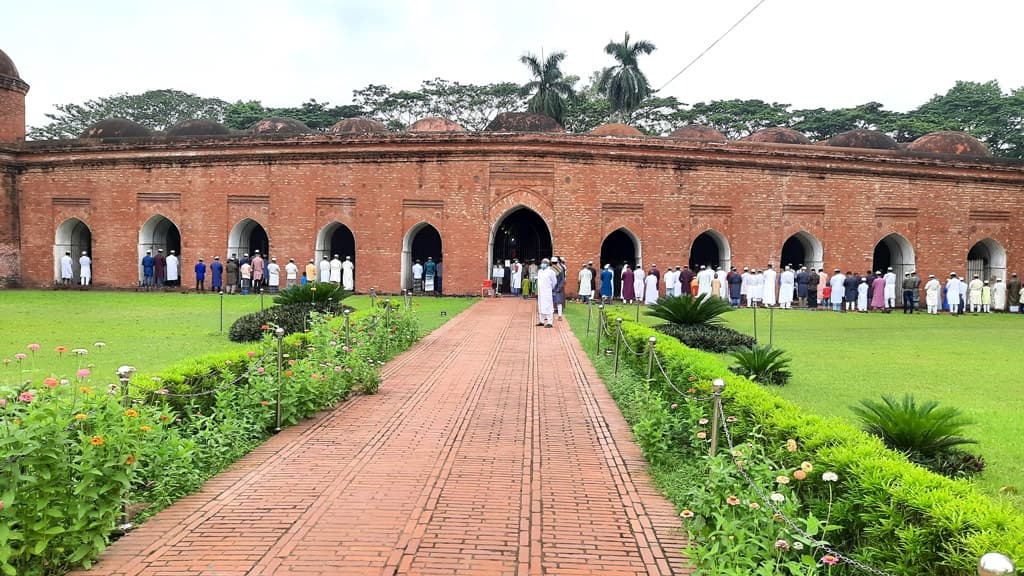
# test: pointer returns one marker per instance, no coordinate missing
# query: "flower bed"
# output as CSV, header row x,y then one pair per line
x,y
77,451
808,474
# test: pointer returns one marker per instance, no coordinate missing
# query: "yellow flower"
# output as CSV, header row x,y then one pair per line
x,y
81,416
85,390
791,445
96,441
145,428
807,467
131,413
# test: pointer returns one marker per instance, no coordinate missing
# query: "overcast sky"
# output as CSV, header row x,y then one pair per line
x,y
808,53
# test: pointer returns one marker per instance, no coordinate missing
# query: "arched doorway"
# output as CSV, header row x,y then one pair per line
x,y
896,252
618,248
802,249
987,259
421,242
520,234
158,233
73,236
710,249
247,237
336,238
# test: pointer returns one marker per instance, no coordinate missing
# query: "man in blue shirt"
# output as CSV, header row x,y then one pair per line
x,y
217,274
148,264
200,276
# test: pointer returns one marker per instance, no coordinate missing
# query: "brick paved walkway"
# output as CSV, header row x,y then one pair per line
x,y
492,448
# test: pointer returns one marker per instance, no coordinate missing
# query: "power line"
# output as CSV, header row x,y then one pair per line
x,y
706,50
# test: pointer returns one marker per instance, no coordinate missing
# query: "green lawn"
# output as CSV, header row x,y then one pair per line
x,y
975,363
147,330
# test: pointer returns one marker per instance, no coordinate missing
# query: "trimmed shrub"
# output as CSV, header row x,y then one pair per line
x,y
291,317
312,293
762,364
689,310
709,338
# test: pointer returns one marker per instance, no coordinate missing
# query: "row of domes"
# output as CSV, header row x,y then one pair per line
x,y
951,143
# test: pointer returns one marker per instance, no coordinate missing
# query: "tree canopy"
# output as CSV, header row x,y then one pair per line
x,y
624,84
549,90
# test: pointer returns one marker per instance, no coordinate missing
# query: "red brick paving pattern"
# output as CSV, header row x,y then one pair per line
x,y
492,448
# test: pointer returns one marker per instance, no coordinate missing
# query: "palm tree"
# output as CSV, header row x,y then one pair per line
x,y
549,88
624,84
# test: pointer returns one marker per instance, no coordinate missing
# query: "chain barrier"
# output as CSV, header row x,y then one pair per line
x,y
767,501
248,372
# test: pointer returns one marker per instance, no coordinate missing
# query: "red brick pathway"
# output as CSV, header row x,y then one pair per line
x,y
492,448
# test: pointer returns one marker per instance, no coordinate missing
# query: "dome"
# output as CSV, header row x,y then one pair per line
x,y
698,132
952,143
358,126
435,124
616,129
117,128
778,136
196,129
279,126
861,138
7,67
523,122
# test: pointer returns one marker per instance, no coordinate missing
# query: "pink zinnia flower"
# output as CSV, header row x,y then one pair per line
x,y
50,382
782,545
251,353
33,347
3,402
732,501
26,397
20,356
829,559
261,370
83,373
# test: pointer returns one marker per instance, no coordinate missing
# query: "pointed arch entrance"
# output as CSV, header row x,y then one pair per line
x,y
619,248
987,259
72,237
421,242
158,233
336,238
247,237
520,234
894,251
802,249
710,249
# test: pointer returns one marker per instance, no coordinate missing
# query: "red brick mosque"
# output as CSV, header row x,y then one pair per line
x,y
521,189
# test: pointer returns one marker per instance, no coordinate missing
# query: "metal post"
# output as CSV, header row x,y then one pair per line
x,y
348,328
995,564
373,298
590,314
771,326
650,359
638,310
755,321
600,325
261,299
716,412
618,341
221,311
124,374
279,333
387,325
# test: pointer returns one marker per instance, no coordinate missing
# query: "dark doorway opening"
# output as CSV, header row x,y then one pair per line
x,y
705,251
617,249
793,254
521,235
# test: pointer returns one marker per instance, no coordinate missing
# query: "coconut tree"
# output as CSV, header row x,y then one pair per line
x,y
625,84
549,89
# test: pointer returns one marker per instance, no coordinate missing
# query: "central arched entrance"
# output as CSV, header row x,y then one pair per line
x,y
421,242
710,249
521,234
894,251
336,238
987,259
73,237
247,237
158,233
802,249
619,248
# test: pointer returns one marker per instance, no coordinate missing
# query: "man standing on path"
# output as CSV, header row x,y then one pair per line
x,y
516,278
429,270
607,283
916,281
639,283
85,269
67,269
890,290
1013,293
245,274
558,295
291,273
335,274
670,281
584,283
546,280
593,278
200,276
348,274
216,275
745,287
160,267
173,270
148,269
683,279
274,276
908,295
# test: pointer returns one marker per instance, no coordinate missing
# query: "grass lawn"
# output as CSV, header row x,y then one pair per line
x,y
147,330
975,363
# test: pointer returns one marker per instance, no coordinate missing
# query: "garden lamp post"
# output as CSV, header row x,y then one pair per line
x,y
995,564
261,299
124,374
279,333
348,327
221,311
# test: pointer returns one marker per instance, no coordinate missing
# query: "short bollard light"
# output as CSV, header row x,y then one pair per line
x,y
348,327
279,333
716,412
995,564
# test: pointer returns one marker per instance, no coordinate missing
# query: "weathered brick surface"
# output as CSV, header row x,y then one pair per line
x,y
665,192
492,448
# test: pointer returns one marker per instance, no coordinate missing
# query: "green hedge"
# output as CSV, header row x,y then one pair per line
x,y
891,514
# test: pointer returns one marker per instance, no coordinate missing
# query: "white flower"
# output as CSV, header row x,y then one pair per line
x,y
798,545
829,477
100,344
776,497
80,351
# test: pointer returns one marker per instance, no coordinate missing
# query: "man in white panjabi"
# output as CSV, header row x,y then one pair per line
x,y
546,280
890,289
754,286
671,279
745,287
974,293
677,283
417,277
723,279
639,282
348,274
585,277
516,278
787,281
291,273
85,270
67,269
173,269
651,288
838,285
999,295
768,284
325,270
335,270
274,276
704,278
932,292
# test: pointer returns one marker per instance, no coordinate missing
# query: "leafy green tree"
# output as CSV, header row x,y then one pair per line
x,y
625,84
822,123
155,109
471,105
738,118
549,88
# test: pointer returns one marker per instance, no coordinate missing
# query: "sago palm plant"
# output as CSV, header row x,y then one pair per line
x,y
762,364
319,293
921,431
687,310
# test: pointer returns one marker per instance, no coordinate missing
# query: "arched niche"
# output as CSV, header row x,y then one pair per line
x,y
802,249
246,237
987,259
158,233
894,251
519,234
421,242
336,238
710,248
72,236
